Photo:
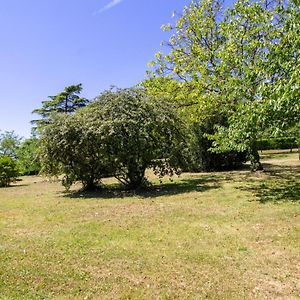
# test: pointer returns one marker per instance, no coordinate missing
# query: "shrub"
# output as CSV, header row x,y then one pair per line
x,y
8,171
68,147
121,134
139,132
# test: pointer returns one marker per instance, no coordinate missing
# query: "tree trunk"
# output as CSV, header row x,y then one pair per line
x,y
255,159
89,185
136,175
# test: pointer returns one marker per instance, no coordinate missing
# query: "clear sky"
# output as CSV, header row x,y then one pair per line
x,y
49,44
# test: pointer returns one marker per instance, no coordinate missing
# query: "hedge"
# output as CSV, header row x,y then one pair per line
x,y
277,143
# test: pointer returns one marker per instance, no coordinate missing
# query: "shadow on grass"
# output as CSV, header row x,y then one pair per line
x,y
156,190
13,186
274,155
283,184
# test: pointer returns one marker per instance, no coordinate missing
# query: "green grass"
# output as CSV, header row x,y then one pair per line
x,y
231,235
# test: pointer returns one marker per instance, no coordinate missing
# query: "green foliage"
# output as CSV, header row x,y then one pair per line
x,y
276,101
139,132
202,159
120,134
9,143
277,143
241,65
282,94
70,147
8,171
68,101
28,157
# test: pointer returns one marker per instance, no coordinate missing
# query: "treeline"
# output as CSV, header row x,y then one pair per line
x,y
17,157
277,143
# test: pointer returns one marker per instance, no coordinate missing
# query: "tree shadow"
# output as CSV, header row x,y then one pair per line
x,y
13,186
282,184
186,185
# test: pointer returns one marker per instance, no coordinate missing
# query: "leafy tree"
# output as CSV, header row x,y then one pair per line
x,y
216,68
69,147
28,156
9,143
66,102
276,106
193,76
139,132
121,134
8,171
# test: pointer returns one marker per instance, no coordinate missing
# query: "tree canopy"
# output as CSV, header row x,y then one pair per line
x,y
120,134
66,102
239,67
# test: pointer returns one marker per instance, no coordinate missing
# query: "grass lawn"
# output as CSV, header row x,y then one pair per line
x,y
231,235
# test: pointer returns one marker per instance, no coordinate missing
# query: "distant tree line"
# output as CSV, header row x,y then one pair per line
x,y
17,157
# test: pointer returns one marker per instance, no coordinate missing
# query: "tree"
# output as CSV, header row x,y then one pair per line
x,y
121,134
192,74
28,156
138,132
8,171
276,107
216,68
9,143
66,102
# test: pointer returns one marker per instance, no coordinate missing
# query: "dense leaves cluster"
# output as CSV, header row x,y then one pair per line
x,y
238,67
121,134
28,157
8,171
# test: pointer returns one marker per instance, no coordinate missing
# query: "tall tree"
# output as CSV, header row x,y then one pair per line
x,y
217,65
276,102
68,101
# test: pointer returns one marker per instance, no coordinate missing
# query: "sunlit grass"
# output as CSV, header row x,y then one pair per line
x,y
231,235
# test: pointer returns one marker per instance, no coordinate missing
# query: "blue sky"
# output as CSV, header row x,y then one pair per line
x,y
49,44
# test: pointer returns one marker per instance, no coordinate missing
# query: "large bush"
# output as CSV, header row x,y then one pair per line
x,y
68,147
8,171
121,134
139,132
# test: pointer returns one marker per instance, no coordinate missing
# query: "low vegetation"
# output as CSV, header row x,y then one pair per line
x,y
219,235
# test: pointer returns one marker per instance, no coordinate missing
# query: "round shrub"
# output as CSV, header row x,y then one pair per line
x,y
120,134
138,132
68,147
